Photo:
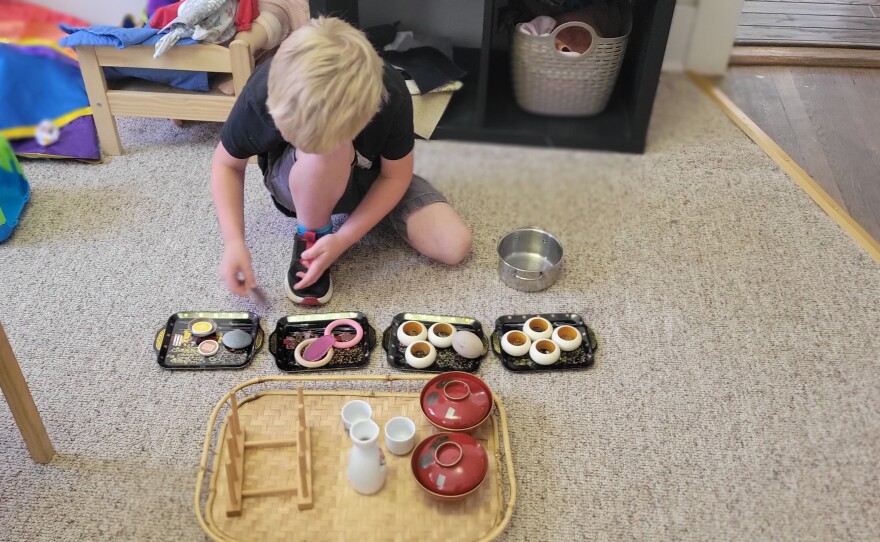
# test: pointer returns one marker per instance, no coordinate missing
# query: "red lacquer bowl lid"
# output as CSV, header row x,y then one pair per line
x,y
456,401
450,464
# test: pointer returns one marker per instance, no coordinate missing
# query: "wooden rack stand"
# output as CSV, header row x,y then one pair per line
x,y
236,443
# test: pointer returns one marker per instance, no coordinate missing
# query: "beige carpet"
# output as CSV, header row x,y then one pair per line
x,y
736,393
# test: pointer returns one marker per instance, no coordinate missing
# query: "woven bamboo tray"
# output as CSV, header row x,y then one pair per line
x,y
400,511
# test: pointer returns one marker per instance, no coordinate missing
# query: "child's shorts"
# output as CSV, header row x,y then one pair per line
x,y
419,194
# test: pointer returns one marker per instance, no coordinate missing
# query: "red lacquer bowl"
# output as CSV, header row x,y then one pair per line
x,y
450,465
456,401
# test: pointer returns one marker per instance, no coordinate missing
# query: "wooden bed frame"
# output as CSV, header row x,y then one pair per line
x,y
160,101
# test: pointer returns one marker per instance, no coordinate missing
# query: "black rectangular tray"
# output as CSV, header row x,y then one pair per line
x,y
176,348
580,358
447,358
291,330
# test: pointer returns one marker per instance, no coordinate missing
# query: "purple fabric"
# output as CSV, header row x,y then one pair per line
x,y
47,52
79,140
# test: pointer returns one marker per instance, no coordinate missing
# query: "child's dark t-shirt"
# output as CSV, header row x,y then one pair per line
x,y
250,130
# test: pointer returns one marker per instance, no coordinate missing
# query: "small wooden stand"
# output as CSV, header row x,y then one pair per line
x,y
236,444
21,403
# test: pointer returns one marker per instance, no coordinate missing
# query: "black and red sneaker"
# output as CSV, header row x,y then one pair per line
x,y
318,293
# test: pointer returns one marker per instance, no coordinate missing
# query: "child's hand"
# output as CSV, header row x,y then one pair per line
x,y
317,259
236,270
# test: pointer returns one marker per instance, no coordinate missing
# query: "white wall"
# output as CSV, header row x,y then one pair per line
x,y
96,11
678,45
713,35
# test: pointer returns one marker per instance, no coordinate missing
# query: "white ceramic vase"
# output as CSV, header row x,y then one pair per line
x,y
366,461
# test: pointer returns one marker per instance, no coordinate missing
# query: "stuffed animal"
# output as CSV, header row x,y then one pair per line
x,y
212,21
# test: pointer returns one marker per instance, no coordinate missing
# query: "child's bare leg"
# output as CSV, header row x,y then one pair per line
x,y
317,182
438,232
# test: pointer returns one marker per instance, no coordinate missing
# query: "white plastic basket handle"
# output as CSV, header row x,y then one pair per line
x,y
594,37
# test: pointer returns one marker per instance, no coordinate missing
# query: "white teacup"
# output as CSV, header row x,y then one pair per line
x,y
400,435
354,411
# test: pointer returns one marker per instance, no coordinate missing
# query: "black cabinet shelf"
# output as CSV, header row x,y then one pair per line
x,y
485,108
610,130
466,109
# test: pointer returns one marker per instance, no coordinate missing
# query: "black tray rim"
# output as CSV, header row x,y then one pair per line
x,y
163,338
401,317
369,336
591,345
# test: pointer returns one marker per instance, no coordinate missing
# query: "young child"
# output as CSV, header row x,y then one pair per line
x,y
332,127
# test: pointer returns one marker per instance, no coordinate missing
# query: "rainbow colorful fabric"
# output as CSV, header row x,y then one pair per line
x,y
38,87
40,80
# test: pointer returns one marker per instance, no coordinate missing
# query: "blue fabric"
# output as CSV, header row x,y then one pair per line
x,y
176,78
114,36
33,88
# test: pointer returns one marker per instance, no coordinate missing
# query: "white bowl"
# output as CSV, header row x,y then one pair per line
x,y
567,337
437,340
516,343
417,362
549,357
537,328
420,332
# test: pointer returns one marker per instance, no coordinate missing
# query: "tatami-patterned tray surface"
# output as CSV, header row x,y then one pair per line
x,y
400,511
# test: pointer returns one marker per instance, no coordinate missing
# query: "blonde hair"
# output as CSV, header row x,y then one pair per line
x,y
325,85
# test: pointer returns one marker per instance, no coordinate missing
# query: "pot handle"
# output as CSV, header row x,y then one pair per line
x,y
539,273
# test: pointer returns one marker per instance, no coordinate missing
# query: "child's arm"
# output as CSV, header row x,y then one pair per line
x,y
227,188
384,194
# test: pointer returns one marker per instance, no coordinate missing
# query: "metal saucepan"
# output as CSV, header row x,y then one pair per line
x,y
529,259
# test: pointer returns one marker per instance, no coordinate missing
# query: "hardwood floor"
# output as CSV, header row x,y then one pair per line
x,y
835,23
827,120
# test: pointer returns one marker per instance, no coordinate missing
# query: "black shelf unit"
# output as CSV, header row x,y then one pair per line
x,y
485,109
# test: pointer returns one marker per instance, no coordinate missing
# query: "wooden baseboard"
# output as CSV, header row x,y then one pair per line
x,y
829,57
785,162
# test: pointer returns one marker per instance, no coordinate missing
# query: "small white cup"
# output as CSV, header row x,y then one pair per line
x,y
516,343
440,334
354,411
537,328
427,354
400,435
410,332
544,352
567,337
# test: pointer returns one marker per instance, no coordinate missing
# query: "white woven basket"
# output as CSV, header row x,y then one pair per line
x,y
547,81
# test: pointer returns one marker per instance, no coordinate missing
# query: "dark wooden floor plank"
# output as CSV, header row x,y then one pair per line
x,y
838,2
862,148
839,125
812,155
778,36
808,8
754,92
810,21
827,120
